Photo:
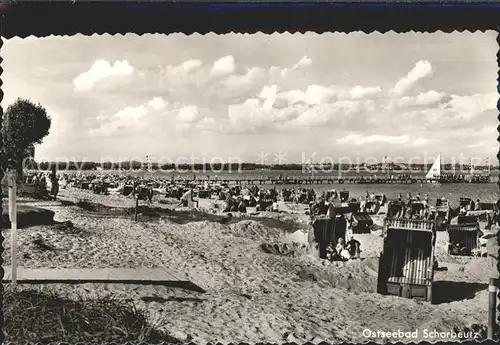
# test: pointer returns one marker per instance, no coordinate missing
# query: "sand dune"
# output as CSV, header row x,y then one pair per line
x,y
253,295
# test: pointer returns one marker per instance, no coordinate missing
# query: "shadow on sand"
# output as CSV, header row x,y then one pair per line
x,y
449,291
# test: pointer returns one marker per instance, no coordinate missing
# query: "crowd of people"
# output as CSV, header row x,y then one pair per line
x,y
240,198
40,181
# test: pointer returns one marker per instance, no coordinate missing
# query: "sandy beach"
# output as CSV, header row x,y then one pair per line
x,y
253,295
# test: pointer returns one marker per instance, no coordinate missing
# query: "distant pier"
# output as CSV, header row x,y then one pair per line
x,y
335,180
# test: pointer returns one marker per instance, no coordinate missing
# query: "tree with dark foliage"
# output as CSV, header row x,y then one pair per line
x,y
24,125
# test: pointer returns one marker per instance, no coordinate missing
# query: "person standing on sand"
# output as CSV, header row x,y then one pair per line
x,y
353,247
54,190
331,209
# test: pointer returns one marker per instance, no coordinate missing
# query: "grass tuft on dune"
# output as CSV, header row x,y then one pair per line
x,y
52,318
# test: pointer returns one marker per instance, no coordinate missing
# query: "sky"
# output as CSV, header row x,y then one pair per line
x,y
278,98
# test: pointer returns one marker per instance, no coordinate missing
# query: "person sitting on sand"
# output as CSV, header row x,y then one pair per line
x,y
477,206
471,206
236,204
42,180
340,245
341,249
34,182
186,198
229,205
330,253
313,208
425,202
275,206
463,210
241,207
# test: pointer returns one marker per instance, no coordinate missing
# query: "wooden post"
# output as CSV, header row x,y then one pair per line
x,y
136,206
13,223
492,306
492,248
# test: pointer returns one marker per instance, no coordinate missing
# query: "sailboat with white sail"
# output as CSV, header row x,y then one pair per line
x,y
434,173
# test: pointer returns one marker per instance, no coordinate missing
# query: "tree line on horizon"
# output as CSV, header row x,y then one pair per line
x,y
138,165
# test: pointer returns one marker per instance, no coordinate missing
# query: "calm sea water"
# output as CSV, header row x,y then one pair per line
x,y
487,192
255,174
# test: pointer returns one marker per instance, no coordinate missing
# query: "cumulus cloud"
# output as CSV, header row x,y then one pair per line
x,y
130,114
430,97
207,124
251,76
337,113
262,99
247,115
456,112
304,62
420,142
188,114
178,79
314,94
157,103
421,70
476,145
359,92
99,71
184,68
223,66
191,65
359,139
267,112
470,106
273,107
255,78
256,114
127,118
121,120
269,92
427,99
192,117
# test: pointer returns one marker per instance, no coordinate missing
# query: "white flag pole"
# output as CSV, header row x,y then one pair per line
x,y
13,223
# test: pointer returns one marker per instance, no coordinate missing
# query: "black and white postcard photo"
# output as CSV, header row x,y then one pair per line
x,y
257,188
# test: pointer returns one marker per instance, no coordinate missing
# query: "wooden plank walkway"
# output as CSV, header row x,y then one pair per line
x,y
139,276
